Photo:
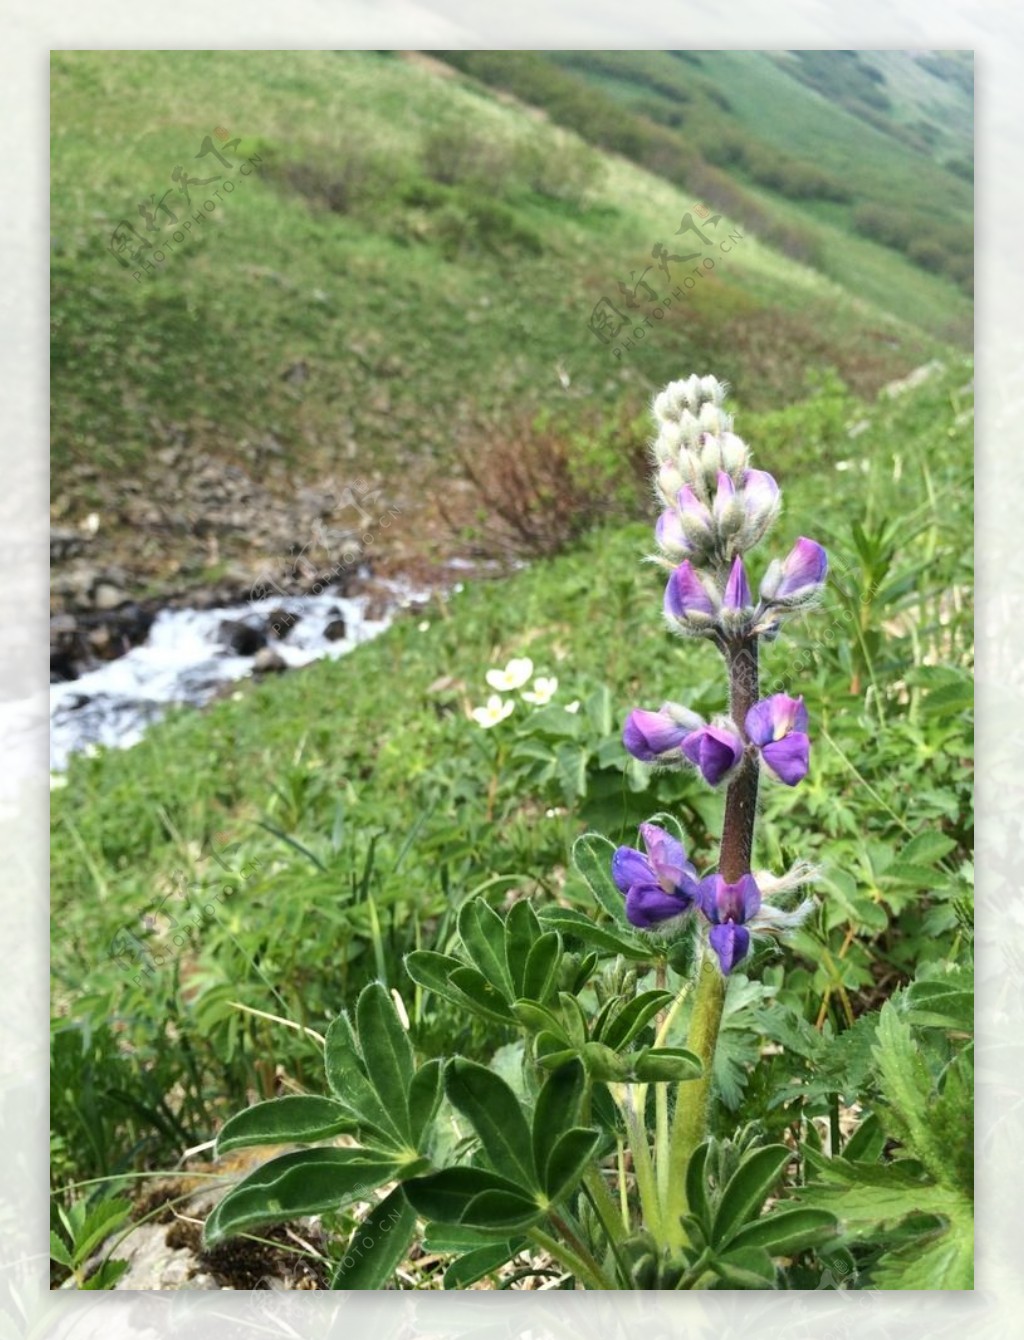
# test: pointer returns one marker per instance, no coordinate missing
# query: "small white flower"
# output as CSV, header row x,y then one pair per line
x,y
514,676
542,692
495,711
573,707
57,781
424,626
91,751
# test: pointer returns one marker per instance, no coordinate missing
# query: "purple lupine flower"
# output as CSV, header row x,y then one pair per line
x,y
685,594
800,576
670,535
659,885
694,518
728,907
654,737
761,500
737,591
778,726
715,750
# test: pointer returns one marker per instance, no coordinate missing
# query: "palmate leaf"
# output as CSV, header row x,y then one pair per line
x,y
474,1197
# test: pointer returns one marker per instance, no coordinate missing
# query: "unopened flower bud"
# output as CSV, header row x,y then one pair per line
x,y
669,482
734,454
727,508
761,501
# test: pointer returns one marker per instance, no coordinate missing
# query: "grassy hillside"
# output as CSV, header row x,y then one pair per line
x,y
347,810
411,266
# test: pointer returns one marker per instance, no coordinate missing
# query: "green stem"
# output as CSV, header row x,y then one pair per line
x,y
693,1095
584,1269
604,1204
643,1168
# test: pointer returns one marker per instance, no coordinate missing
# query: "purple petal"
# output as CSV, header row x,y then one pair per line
x,y
730,943
724,495
685,593
721,902
692,507
788,758
805,567
759,492
647,904
720,751
669,532
667,856
759,723
773,718
630,867
649,735
737,592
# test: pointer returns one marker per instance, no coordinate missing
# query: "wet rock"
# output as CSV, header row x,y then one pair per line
x,y
268,662
280,622
244,639
336,630
107,596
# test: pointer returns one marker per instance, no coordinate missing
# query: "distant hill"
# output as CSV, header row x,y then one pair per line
x,y
420,256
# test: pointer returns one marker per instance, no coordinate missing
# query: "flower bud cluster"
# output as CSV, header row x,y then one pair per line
x,y
716,508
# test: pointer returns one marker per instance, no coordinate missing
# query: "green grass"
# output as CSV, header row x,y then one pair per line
x,y
354,805
417,306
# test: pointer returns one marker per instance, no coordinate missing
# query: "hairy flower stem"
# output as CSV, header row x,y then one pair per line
x,y
690,1122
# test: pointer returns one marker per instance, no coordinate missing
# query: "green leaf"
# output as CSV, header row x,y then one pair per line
x,y
580,927
298,1119
542,967
656,1065
424,1096
621,1029
502,1210
521,930
98,1223
946,1261
749,1268
787,1232
556,1111
926,849
482,996
592,856
482,932
907,1088
494,1112
747,1190
480,1262
449,1194
387,1055
58,1251
865,1145
308,1181
939,1004
866,1197
378,1245
568,1161
433,972
697,1187
537,1017
346,1076
106,1275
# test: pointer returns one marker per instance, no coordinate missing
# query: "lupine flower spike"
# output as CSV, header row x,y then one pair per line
x,y
716,508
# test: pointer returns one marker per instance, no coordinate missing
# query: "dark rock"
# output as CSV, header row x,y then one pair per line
x,y
336,630
242,638
280,622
